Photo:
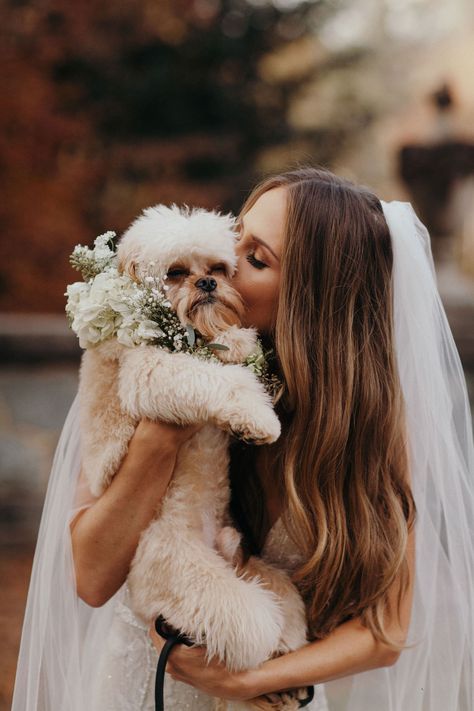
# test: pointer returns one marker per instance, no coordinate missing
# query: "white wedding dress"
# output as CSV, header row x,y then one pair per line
x,y
127,675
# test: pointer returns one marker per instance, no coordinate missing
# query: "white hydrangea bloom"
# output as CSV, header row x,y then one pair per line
x,y
148,330
98,307
74,292
126,333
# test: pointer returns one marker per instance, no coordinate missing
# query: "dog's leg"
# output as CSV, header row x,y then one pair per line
x,y
185,389
279,701
105,428
294,631
175,574
274,701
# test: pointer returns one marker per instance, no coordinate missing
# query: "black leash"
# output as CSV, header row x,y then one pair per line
x,y
172,637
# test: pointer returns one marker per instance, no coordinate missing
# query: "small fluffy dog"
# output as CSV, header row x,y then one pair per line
x,y
186,566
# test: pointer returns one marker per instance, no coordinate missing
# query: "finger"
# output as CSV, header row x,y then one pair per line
x,y
175,674
177,654
180,657
156,639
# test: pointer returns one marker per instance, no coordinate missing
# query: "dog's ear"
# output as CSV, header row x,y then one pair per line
x,y
129,267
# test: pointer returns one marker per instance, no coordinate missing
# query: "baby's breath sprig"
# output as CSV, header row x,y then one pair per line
x,y
90,262
258,362
153,305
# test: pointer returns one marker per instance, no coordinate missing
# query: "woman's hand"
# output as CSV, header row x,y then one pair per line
x,y
158,435
187,664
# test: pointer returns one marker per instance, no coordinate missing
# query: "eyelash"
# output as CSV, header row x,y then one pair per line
x,y
250,257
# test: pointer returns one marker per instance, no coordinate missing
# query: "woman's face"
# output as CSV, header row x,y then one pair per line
x,y
257,277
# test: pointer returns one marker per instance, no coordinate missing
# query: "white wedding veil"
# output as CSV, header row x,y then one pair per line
x,y
62,637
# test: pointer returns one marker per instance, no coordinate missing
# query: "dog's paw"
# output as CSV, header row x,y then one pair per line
x,y
292,638
228,544
294,633
244,629
240,342
261,426
278,701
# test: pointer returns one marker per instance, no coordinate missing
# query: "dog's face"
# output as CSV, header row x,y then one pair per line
x,y
201,294
195,250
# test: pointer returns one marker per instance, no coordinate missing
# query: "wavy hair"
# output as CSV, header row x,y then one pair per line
x,y
341,462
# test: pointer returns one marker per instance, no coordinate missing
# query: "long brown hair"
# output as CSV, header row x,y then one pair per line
x,y
341,461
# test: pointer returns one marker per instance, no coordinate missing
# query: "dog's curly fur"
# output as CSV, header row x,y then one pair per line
x,y
187,566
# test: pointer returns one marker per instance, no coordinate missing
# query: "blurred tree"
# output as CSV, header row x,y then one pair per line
x,y
181,67
109,107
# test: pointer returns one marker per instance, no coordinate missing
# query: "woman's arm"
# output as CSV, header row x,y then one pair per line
x,y
349,649
105,536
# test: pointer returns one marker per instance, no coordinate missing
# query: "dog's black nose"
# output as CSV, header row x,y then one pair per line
x,y
206,284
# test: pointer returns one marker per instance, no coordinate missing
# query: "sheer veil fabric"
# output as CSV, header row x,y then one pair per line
x,y
63,638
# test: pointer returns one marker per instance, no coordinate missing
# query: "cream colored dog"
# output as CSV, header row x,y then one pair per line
x,y
186,563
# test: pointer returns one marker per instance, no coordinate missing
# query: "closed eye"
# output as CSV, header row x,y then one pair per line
x,y
177,272
219,268
250,257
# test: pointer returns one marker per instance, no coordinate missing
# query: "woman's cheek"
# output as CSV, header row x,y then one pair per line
x,y
263,306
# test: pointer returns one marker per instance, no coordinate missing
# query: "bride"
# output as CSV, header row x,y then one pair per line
x,y
367,498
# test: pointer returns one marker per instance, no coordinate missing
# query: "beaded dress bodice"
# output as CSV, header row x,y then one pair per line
x,y
127,674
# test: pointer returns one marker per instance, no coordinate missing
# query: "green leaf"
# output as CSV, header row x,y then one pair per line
x,y
218,346
190,335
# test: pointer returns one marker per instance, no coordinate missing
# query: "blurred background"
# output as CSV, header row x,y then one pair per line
x,y
107,108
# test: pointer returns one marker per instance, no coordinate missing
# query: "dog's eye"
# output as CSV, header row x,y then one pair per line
x,y
218,268
177,272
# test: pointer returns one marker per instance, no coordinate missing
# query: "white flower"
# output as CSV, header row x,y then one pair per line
x,y
125,335
149,330
97,307
75,291
101,244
